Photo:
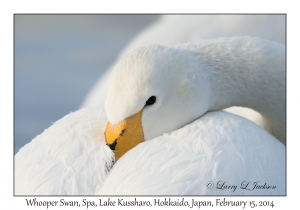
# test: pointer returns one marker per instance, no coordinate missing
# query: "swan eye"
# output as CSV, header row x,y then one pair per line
x,y
150,101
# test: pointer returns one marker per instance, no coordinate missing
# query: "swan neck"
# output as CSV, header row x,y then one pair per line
x,y
247,72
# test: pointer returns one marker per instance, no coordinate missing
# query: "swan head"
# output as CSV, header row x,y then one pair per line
x,y
151,91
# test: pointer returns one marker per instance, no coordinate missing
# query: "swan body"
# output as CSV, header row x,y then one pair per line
x,y
217,154
170,30
69,158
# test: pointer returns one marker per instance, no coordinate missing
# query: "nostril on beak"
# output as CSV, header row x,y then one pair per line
x,y
122,132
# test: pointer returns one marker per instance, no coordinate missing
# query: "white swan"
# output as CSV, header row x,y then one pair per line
x,y
187,81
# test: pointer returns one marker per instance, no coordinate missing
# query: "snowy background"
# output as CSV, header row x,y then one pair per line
x,y
58,59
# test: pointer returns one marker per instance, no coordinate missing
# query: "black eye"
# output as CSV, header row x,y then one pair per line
x,y
151,100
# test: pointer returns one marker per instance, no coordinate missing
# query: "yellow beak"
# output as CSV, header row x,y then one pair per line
x,y
126,135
